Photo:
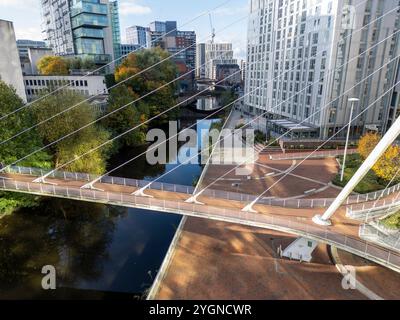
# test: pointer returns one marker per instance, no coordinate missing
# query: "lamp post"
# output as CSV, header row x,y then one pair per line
x,y
353,101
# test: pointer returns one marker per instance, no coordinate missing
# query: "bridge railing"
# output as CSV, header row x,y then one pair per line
x,y
315,155
79,176
374,209
221,194
375,234
360,247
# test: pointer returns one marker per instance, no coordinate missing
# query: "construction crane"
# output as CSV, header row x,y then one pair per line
x,y
212,29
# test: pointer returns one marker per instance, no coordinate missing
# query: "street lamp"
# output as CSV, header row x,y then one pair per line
x,y
353,101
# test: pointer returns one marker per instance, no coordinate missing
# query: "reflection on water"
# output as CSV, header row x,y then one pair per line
x,y
92,246
207,103
98,251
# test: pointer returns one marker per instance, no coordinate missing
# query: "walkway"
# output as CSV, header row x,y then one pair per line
x,y
343,233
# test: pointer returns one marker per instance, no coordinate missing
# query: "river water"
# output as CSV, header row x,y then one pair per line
x,y
98,251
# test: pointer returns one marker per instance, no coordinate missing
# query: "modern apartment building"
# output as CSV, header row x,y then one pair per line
x,y
10,65
115,28
296,67
212,55
158,26
79,28
138,35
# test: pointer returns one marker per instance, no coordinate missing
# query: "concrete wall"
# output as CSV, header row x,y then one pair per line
x,y
10,65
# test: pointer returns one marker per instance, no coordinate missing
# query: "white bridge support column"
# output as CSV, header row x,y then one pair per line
x,y
379,150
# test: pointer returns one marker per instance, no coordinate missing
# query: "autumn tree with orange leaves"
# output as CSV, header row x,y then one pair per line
x,y
53,66
388,165
367,143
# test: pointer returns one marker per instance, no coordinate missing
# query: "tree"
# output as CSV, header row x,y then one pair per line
x,y
18,147
153,78
388,165
72,120
367,143
78,63
53,65
128,117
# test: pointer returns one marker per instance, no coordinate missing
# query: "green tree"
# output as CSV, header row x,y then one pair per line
x,y
53,66
18,147
128,117
151,79
78,63
79,142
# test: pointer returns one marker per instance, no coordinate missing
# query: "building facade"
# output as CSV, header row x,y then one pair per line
x,y
10,65
158,26
128,48
296,55
89,86
138,35
217,54
23,45
30,52
200,61
79,28
115,28
228,74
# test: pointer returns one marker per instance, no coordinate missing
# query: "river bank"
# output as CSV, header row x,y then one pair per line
x,y
98,251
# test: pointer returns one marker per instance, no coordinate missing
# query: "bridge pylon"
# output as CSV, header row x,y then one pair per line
x,y
140,193
373,157
193,199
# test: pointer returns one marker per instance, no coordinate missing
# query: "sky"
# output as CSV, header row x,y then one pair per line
x,y
229,19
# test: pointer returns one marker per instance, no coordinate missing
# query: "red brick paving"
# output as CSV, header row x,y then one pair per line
x,y
216,260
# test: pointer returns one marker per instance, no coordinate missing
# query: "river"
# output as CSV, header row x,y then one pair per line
x,y
98,251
